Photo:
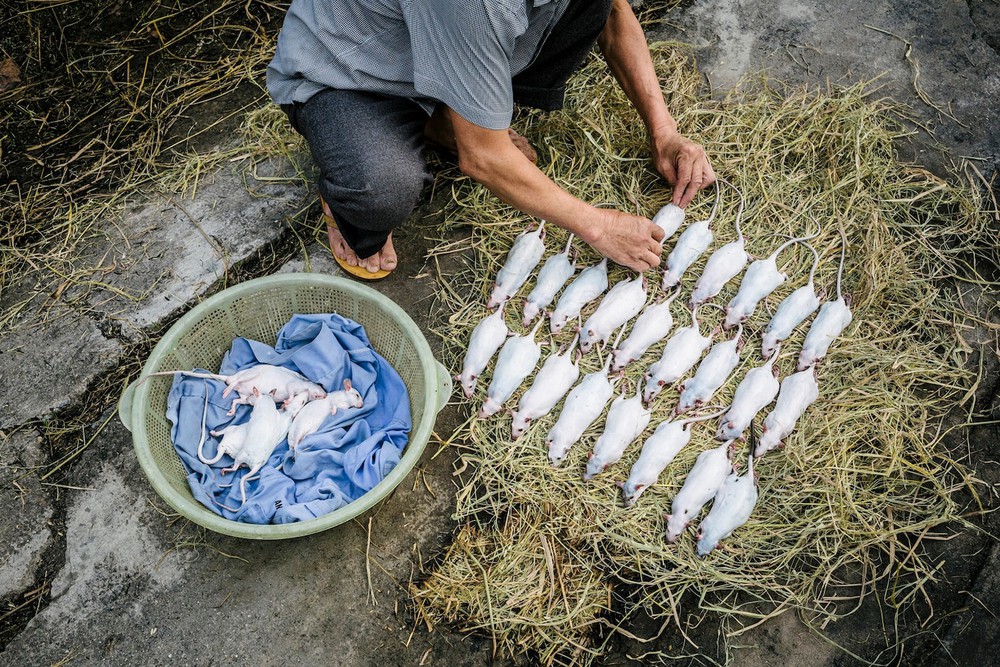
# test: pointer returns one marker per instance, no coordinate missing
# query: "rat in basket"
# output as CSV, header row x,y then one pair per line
x,y
314,413
266,428
281,383
252,442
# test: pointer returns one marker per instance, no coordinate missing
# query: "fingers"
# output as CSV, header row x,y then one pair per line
x,y
684,169
701,175
709,173
647,255
658,233
644,261
630,240
651,260
685,165
666,167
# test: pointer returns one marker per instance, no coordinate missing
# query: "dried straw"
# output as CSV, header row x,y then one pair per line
x,y
865,478
105,104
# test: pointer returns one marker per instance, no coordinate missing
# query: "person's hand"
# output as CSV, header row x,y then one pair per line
x,y
683,163
627,239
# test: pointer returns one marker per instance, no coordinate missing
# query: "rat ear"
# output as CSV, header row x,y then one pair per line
x,y
347,385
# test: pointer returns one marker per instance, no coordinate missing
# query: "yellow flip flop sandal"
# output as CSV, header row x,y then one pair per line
x,y
356,271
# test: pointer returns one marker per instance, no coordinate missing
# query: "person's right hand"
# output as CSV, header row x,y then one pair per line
x,y
627,239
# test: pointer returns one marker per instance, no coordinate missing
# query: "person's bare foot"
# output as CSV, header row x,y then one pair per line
x,y
522,145
384,259
440,132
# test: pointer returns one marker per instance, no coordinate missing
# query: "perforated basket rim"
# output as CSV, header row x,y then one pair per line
x,y
436,382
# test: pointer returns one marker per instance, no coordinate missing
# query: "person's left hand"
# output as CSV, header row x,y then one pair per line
x,y
683,163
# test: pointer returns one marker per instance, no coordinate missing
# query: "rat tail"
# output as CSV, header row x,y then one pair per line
x,y
739,211
798,239
843,253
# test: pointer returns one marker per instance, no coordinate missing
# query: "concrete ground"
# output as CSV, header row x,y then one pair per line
x,y
98,571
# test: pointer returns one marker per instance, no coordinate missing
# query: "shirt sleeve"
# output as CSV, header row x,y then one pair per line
x,y
461,55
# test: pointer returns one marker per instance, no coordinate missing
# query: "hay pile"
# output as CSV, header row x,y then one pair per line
x,y
864,478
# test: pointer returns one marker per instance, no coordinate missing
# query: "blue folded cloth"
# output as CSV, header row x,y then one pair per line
x,y
353,450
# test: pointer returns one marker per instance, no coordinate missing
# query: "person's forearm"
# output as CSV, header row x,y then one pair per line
x,y
681,161
515,180
491,158
623,45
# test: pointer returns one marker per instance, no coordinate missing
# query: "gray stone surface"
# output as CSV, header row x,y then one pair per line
x,y
317,258
48,365
171,250
26,529
953,47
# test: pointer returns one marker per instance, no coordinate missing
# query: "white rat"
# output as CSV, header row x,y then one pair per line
x,y
731,509
311,416
833,318
659,449
723,265
689,247
486,339
281,383
795,308
669,218
551,277
583,406
558,374
755,391
680,353
712,373
233,438
586,287
798,391
626,420
651,327
762,278
266,428
524,255
515,362
617,307
706,477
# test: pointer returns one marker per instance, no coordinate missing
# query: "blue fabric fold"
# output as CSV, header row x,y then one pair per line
x,y
353,450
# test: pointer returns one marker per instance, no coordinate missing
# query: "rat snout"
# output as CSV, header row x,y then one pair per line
x,y
468,385
555,457
519,426
647,397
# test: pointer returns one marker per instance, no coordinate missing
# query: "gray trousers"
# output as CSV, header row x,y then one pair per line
x,y
369,147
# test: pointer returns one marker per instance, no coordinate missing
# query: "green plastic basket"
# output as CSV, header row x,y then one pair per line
x,y
257,309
